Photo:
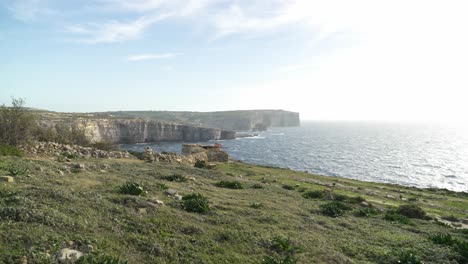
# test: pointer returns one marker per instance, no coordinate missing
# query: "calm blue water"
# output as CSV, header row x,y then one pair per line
x,y
413,155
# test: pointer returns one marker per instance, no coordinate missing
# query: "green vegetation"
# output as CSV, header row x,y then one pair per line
x,y
6,150
100,259
230,184
196,203
132,188
175,178
411,211
334,208
313,195
43,210
17,124
201,164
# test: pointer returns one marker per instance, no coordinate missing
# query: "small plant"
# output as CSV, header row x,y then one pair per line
x,y
229,184
288,187
285,251
100,259
458,245
196,203
257,186
162,186
394,216
366,212
256,205
201,164
408,257
15,170
334,208
412,211
175,178
313,195
132,188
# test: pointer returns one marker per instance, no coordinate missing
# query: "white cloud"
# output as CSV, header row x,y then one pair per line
x,y
113,31
149,56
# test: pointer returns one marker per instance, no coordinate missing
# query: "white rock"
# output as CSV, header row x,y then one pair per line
x,y
178,197
67,255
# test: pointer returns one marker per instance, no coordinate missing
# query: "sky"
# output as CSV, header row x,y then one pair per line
x,y
328,60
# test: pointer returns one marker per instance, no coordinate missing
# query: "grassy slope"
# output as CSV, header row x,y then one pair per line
x,y
43,210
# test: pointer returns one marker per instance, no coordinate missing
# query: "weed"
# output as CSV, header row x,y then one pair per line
x,y
394,216
229,184
175,178
256,205
196,203
334,208
132,188
162,186
285,250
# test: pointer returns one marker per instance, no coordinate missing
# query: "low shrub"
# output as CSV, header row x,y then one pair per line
x,y
257,186
175,178
313,195
460,246
7,150
229,184
285,252
412,211
366,212
394,216
15,170
334,208
138,154
132,188
288,187
196,203
201,164
442,239
407,257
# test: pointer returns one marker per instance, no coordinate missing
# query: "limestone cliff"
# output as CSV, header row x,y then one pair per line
x,y
140,131
244,120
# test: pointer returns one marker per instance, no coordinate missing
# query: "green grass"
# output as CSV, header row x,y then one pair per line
x,y
229,184
42,210
6,150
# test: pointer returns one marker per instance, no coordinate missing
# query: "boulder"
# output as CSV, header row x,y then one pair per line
x,y
68,256
171,192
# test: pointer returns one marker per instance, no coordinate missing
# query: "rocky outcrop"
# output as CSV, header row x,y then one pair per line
x,y
72,151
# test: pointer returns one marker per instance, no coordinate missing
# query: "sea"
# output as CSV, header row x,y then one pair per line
x,y
420,155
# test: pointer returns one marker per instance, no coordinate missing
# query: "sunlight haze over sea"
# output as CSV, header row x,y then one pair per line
x,y
422,155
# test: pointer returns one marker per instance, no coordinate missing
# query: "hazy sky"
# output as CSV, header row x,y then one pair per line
x,y
346,60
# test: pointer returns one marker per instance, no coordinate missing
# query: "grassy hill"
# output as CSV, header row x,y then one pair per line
x,y
274,216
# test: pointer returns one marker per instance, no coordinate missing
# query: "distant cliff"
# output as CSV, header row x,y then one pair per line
x,y
141,131
244,120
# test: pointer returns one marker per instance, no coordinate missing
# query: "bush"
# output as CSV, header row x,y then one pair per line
x,y
394,216
461,247
288,187
313,195
412,211
6,150
175,178
200,164
408,257
17,123
285,251
196,203
443,239
257,186
138,154
162,186
334,208
230,184
366,212
132,188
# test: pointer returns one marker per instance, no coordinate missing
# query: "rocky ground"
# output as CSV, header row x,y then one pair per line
x,y
124,209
